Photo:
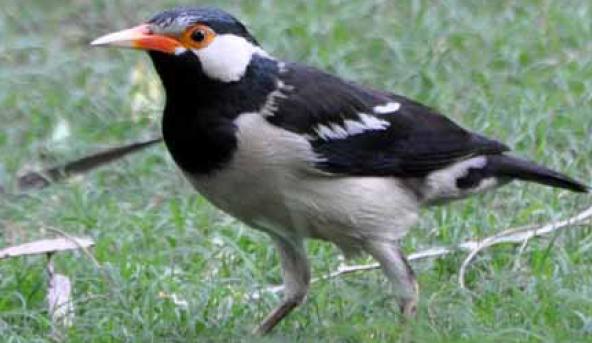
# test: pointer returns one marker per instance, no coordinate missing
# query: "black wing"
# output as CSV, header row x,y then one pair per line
x,y
401,137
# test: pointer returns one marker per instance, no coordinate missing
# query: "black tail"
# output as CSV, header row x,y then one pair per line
x,y
516,168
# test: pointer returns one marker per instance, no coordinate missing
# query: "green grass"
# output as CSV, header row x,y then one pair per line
x,y
517,70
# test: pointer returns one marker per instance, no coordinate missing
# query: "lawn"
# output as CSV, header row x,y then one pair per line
x,y
520,71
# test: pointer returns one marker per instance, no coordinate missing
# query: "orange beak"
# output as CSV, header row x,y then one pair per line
x,y
140,37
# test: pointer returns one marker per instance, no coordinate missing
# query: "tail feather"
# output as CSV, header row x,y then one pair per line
x,y
516,168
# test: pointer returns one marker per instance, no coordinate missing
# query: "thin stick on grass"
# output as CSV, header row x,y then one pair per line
x,y
41,179
520,236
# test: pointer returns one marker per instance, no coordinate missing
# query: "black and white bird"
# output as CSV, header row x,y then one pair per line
x,y
299,153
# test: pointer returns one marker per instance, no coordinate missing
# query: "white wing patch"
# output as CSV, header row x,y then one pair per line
x,y
373,123
389,107
354,127
325,132
271,106
350,127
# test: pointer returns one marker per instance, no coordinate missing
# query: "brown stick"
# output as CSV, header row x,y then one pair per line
x,y
42,179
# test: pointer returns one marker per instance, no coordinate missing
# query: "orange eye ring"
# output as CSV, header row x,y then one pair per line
x,y
198,36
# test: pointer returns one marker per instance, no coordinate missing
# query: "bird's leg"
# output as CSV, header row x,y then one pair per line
x,y
296,277
399,272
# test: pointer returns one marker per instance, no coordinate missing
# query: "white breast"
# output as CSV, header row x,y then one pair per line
x,y
271,184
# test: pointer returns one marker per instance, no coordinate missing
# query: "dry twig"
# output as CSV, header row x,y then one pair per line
x,y
46,246
521,236
59,297
41,179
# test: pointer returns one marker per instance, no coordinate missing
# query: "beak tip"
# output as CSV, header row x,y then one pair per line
x,y
100,41
139,37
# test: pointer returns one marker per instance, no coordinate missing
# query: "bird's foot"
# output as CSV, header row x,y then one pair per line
x,y
275,317
409,308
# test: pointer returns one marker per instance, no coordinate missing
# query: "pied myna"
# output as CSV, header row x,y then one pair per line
x,y
299,153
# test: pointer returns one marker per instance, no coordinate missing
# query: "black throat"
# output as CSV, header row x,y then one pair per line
x,y
198,121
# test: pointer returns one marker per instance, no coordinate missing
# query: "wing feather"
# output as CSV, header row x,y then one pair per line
x,y
414,141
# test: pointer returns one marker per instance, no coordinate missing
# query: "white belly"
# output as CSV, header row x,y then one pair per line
x,y
270,184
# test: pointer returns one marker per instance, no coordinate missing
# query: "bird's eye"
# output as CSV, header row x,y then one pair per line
x,y
198,35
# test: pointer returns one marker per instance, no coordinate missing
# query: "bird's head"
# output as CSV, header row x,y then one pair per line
x,y
205,39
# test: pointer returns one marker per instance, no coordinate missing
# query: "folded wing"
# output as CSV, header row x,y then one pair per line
x,y
358,131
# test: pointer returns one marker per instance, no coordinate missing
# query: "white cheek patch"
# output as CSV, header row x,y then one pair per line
x,y
227,58
389,107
